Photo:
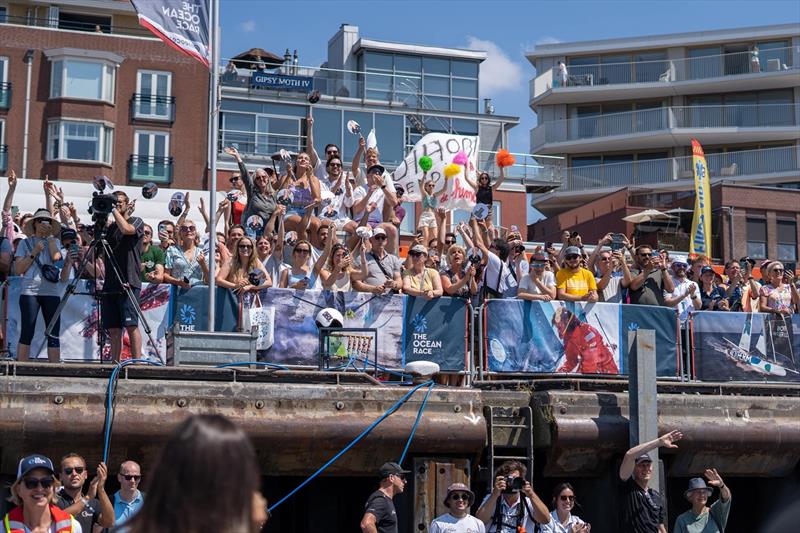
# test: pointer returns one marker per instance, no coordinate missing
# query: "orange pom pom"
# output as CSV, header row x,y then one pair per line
x,y
504,158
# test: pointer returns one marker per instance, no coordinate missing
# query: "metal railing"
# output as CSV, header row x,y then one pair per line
x,y
56,24
401,89
526,170
3,157
668,70
731,164
664,118
152,107
5,95
149,168
260,144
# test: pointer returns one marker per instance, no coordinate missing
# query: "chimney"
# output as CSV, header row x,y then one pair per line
x,y
488,108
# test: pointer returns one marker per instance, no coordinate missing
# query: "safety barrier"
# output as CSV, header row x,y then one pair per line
x,y
499,338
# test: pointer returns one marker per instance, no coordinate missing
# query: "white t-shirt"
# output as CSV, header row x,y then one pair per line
x,y
528,285
377,197
497,276
613,291
686,305
448,523
555,525
33,283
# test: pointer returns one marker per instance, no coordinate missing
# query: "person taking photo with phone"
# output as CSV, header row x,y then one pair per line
x,y
650,279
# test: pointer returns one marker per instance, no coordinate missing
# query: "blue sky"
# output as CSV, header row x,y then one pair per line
x,y
505,29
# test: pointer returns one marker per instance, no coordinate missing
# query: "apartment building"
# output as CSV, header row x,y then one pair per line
x,y
400,90
84,90
622,113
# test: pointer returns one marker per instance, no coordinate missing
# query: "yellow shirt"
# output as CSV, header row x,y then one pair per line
x,y
426,283
575,283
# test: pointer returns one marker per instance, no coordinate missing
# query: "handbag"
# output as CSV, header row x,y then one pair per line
x,y
49,272
261,320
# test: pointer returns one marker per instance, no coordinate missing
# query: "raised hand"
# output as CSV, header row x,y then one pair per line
x,y
230,150
668,440
12,179
713,477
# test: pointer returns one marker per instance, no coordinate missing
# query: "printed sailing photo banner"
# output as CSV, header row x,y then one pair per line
x,y
456,193
569,337
745,346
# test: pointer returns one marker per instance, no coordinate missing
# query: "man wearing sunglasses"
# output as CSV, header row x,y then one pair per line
x,y
379,512
94,507
457,520
129,499
384,268
573,282
650,279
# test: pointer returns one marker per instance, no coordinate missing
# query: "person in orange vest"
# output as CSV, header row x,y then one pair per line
x,y
584,347
34,495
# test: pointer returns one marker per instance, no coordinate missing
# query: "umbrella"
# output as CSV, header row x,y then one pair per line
x,y
254,56
646,216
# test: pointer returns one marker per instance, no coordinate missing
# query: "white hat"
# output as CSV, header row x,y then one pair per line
x,y
43,214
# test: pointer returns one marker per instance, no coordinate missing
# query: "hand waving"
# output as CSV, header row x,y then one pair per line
x,y
668,440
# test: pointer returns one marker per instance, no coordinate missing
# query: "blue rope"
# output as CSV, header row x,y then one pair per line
x,y
416,423
110,399
344,450
258,363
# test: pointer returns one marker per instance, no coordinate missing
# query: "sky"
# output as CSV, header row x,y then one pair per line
x,y
504,29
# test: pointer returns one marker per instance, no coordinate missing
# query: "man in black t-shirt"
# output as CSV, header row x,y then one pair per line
x,y
642,508
379,513
124,236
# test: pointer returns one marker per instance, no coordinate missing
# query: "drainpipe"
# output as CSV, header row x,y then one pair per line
x,y
26,124
731,235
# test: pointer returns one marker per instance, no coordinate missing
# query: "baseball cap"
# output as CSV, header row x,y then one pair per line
x,y
418,249
644,458
705,270
459,487
33,462
376,168
378,231
572,250
68,233
389,469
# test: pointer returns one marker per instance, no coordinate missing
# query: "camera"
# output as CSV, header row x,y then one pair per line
x,y
102,204
520,248
474,259
254,278
513,485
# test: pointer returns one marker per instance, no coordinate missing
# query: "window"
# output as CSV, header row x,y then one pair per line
x,y
408,224
757,238
787,240
5,88
3,14
78,78
151,161
153,90
79,141
83,22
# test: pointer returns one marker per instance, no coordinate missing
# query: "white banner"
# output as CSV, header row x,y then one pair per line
x,y
441,148
182,24
79,325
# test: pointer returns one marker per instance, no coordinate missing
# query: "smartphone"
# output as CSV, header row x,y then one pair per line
x,y
573,234
655,254
14,210
790,266
547,246
616,242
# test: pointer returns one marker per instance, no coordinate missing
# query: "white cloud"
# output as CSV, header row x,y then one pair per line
x,y
249,26
498,72
548,40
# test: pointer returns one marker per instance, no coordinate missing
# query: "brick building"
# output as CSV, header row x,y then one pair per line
x,y
87,91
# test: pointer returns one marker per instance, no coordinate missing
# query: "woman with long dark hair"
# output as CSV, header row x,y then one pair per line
x,y
561,518
206,455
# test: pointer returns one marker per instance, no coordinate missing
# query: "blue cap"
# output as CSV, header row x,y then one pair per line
x,y
33,462
572,250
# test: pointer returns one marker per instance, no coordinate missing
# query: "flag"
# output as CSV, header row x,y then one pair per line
x,y
456,193
182,24
701,222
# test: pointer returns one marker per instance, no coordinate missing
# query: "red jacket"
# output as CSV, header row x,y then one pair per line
x,y
584,348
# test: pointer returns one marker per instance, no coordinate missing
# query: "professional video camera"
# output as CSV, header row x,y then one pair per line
x,y
102,205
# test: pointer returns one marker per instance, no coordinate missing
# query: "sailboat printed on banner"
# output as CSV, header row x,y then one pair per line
x,y
758,360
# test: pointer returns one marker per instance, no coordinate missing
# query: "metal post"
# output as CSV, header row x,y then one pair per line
x,y
213,109
26,120
642,395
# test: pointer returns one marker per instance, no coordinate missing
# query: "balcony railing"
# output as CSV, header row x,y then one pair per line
x,y
401,89
670,70
3,157
56,24
725,165
5,95
149,168
260,144
664,118
153,107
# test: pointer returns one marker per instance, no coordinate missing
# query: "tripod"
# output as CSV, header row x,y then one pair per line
x,y
100,247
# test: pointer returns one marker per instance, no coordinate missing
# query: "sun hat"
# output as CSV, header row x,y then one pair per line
x,y
55,226
697,483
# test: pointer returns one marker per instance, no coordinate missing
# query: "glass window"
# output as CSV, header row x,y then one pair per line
x,y
776,108
3,14
704,62
377,60
351,141
391,138
615,69
465,88
154,90
151,157
463,105
435,65
757,238
80,141
584,66
441,103
408,64
773,55
237,131
465,69
436,85
327,129
465,127
90,80
83,22
787,240
275,134
650,66
409,222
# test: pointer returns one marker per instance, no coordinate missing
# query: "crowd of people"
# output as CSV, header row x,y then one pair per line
x,y
309,224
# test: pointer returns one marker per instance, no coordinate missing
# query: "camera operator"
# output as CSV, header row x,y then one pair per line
x,y
512,504
124,237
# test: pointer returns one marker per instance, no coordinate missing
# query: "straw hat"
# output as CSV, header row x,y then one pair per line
x,y
40,214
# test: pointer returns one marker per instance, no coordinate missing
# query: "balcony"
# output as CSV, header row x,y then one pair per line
x,y
5,95
55,23
527,172
153,108
747,166
739,71
667,126
148,168
3,157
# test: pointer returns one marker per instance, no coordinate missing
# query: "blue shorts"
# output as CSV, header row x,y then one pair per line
x,y
117,311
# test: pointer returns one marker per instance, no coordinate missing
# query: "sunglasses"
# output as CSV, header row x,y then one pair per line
x,y
459,497
188,228
332,152
302,250
379,237
571,257
537,265
245,246
415,254
450,241
148,232
234,179
77,470
604,259
777,271
565,498
33,482
131,477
